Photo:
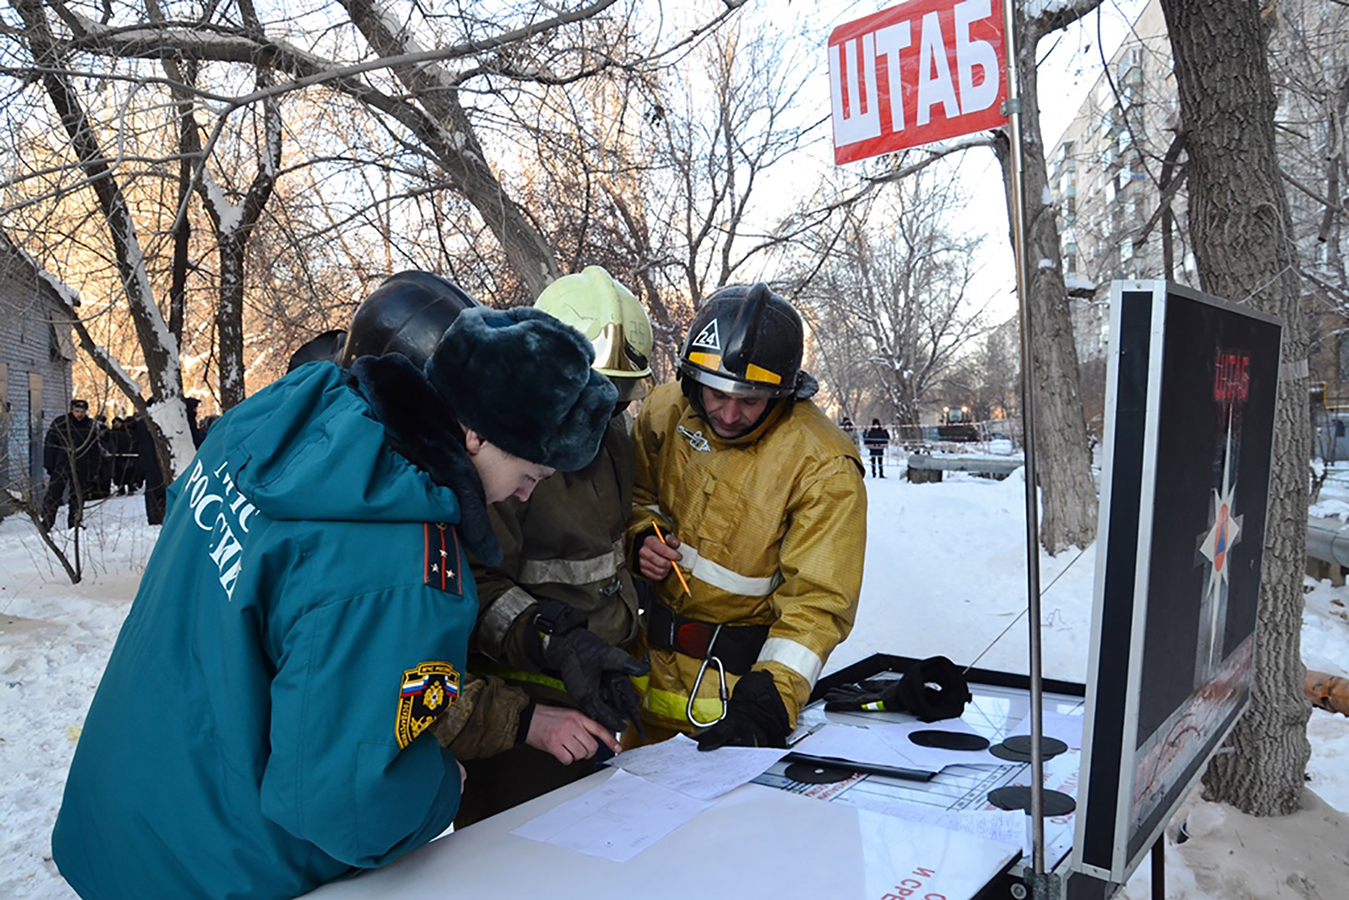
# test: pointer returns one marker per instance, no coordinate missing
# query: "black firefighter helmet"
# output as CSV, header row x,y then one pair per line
x,y
327,347
746,341
406,314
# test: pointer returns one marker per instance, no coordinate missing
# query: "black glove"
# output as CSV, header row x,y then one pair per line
x,y
932,689
755,717
594,673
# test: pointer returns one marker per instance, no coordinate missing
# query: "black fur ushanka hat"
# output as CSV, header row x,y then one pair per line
x,y
522,379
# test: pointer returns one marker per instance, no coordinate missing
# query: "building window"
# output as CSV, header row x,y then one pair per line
x,y
1131,66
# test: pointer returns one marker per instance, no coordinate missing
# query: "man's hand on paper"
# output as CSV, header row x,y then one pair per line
x,y
568,734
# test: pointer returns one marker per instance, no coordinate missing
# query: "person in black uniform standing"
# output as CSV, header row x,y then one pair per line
x,y
71,457
877,439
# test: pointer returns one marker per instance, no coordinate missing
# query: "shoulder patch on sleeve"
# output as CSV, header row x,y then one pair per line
x,y
427,692
444,563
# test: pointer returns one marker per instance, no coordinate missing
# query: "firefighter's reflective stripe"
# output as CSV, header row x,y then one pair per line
x,y
730,581
525,676
495,623
674,706
573,571
797,657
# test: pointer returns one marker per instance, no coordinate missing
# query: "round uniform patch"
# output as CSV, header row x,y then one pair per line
x,y
427,692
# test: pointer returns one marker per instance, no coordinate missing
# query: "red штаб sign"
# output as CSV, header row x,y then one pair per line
x,y
919,72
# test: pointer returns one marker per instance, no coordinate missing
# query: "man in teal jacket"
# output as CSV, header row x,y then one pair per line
x,y
263,724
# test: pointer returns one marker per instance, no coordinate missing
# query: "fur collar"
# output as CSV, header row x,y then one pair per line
x,y
423,428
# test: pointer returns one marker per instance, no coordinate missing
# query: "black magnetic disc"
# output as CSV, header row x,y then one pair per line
x,y
1056,803
1049,746
814,773
1001,752
949,740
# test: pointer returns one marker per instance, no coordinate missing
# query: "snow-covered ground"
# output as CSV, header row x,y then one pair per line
x,y
945,574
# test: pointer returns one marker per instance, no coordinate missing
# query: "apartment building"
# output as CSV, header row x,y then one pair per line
x,y
1118,185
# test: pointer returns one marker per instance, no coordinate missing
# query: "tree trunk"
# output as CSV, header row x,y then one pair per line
x,y
1062,453
1240,225
459,151
158,347
229,318
234,240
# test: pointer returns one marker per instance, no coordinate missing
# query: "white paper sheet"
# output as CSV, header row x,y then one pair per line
x,y
678,764
860,745
888,744
616,820
808,721
899,736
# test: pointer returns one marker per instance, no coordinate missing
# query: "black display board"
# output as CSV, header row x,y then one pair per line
x,y
1190,404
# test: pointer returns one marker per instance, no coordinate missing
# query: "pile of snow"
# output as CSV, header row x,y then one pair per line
x,y
55,639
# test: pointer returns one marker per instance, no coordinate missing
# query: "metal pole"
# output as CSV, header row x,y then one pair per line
x,y
1028,425
1159,867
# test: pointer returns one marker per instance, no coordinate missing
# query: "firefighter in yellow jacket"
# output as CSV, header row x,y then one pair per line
x,y
757,497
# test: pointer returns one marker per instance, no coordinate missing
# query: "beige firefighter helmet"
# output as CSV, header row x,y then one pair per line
x,y
612,319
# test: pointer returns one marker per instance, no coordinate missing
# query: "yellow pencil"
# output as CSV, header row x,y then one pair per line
x,y
673,565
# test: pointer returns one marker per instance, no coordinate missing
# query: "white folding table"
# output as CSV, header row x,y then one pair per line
x,y
755,841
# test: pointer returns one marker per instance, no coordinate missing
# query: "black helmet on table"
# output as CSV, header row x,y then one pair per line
x,y
747,341
406,314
